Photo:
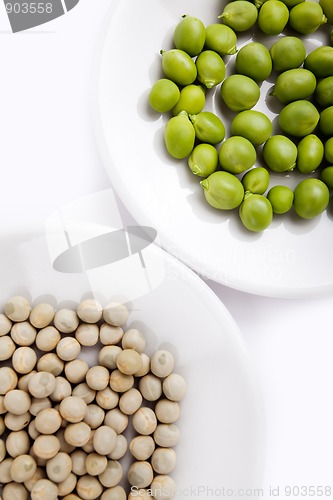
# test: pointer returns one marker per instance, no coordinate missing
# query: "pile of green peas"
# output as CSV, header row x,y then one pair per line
x,y
227,166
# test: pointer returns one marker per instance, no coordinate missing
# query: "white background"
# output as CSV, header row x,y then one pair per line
x,y
48,157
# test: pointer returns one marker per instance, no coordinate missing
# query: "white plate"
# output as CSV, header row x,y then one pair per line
x,y
222,431
292,258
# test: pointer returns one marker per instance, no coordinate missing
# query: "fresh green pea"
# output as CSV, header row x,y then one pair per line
x,y
203,160
208,127
327,7
328,150
299,118
255,212
287,53
221,39
306,17
163,95
237,154
294,84
192,100
223,190
190,35
210,67
253,125
310,154
239,15
178,66
311,197
326,121
258,3
179,136
280,153
254,60
326,175
324,92
239,92
273,17
320,61
256,180
281,199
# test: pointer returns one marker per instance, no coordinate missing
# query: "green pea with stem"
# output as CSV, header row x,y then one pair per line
x,y
179,136
190,35
178,66
306,17
256,180
240,15
327,7
280,153
210,68
223,190
192,100
203,160
221,39
255,212
208,127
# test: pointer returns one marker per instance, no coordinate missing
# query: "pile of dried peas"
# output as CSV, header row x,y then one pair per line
x,y
65,425
304,85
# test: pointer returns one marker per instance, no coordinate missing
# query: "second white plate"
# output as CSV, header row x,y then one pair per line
x,y
222,422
